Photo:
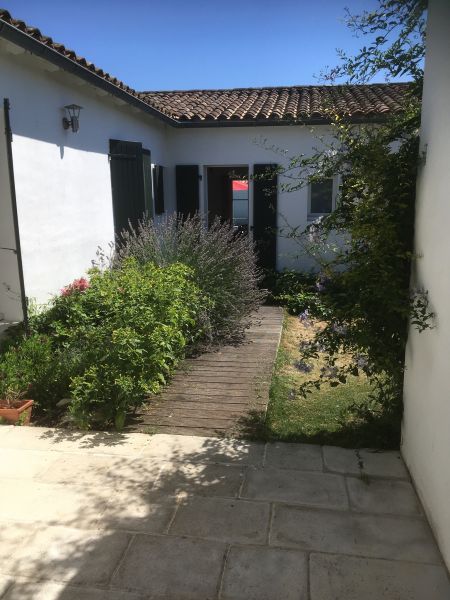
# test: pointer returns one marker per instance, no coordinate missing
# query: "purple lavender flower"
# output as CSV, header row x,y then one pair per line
x,y
307,345
329,372
339,329
361,361
303,366
305,318
304,345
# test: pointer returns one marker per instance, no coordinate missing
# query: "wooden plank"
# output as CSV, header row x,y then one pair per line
x,y
216,377
190,391
207,400
205,406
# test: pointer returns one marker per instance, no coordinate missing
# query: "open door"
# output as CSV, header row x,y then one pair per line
x,y
228,196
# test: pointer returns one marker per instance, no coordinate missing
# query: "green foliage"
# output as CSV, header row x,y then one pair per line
x,y
395,36
364,279
32,368
110,344
295,291
223,265
106,343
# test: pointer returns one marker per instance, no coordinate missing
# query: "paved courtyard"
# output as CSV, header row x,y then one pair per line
x,y
133,516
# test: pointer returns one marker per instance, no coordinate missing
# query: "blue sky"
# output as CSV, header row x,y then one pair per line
x,y
176,44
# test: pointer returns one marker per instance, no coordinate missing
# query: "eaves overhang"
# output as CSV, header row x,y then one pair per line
x,y
28,43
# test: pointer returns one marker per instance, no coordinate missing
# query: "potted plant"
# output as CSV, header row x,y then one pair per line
x,y
14,408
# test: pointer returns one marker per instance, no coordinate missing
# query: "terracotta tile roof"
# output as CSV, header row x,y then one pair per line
x,y
297,103
240,105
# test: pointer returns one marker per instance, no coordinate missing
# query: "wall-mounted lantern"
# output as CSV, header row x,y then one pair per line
x,y
73,117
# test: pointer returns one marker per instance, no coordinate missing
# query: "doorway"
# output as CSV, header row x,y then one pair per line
x,y
228,196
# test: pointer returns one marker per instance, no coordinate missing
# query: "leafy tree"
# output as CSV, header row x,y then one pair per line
x,y
364,279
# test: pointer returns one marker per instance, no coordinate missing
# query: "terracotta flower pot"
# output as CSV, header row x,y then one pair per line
x,y
18,411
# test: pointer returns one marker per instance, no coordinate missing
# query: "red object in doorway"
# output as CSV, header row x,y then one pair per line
x,y
240,186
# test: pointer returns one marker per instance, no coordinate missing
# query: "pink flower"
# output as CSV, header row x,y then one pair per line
x,y
78,285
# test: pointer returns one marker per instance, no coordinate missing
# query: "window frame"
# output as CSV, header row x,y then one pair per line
x,y
334,193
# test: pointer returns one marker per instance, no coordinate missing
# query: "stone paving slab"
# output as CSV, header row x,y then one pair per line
x,y
23,464
67,554
297,487
62,440
29,590
172,567
140,512
28,501
265,574
194,449
349,578
383,496
137,517
347,533
237,521
5,584
305,457
200,479
364,462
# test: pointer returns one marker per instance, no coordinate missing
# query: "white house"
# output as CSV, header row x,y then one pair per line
x,y
426,422
64,193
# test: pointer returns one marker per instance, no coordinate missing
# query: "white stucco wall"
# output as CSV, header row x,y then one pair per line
x,y
426,424
10,301
63,182
241,146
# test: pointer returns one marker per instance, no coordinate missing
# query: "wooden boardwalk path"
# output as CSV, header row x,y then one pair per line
x,y
219,393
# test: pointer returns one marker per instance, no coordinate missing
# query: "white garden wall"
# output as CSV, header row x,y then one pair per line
x,y
426,424
63,182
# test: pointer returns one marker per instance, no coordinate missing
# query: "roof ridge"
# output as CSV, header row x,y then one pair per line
x,y
279,87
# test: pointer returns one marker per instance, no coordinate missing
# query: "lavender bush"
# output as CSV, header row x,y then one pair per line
x,y
224,265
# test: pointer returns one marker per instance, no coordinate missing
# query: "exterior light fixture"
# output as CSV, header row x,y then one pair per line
x,y
73,117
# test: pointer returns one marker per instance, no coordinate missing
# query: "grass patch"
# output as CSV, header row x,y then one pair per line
x,y
326,416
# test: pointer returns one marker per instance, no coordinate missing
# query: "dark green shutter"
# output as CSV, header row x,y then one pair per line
x,y
148,194
187,184
158,188
265,214
127,181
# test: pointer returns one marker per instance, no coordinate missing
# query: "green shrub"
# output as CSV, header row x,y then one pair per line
x,y
108,342
223,264
297,292
33,368
132,325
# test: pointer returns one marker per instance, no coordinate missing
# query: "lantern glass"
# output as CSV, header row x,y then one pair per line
x,y
73,117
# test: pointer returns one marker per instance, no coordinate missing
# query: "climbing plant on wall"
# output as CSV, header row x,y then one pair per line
x,y
364,280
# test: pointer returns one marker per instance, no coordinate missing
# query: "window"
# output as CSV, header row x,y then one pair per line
x,y
321,198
